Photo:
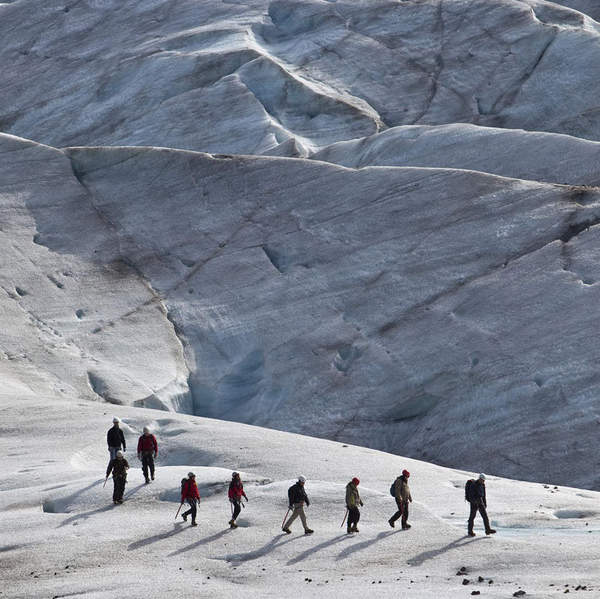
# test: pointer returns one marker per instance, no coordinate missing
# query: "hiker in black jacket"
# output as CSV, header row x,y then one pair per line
x,y
475,495
118,467
115,439
297,498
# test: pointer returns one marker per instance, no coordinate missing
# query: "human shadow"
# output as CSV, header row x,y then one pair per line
x,y
364,544
204,541
133,491
86,515
277,541
318,547
177,528
427,555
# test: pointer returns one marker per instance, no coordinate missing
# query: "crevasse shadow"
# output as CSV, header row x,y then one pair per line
x,y
318,547
426,555
363,545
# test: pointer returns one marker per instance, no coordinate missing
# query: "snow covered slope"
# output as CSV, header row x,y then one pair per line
x,y
447,314
61,536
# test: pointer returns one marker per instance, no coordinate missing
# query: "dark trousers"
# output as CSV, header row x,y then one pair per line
x,y
237,508
353,516
477,506
402,512
147,462
119,487
192,510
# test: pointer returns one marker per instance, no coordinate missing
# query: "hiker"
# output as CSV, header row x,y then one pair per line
x,y
297,498
115,439
236,492
190,493
353,500
119,467
475,495
402,496
147,451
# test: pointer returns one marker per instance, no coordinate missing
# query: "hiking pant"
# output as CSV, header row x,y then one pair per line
x,y
298,511
192,503
353,516
119,487
148,462
113,452
237,508
475,507
402,511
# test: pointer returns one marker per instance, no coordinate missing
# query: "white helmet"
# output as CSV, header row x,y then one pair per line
x,y
146,429
301,479
116,420
119,454
482,476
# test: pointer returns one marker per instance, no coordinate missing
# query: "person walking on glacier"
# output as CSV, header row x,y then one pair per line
x,y
118,467
401,492
297,498
147,450
191,495
235,494
353,500
115,439
475,495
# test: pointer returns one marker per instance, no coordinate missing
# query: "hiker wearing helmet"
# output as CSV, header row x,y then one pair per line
x,y
297,498
235,494
190,493
147,450
475,495
403,498
353,500
118,467
115,439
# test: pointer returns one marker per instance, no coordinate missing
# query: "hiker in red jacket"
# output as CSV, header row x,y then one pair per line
x,y
147,451
190,493
236,492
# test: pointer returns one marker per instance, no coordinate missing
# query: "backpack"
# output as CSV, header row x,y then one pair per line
x,y
393,489
183,481
470,491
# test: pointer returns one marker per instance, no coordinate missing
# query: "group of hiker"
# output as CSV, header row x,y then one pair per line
x,y
147,450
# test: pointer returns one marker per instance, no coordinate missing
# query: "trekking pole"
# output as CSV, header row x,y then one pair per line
x,y
285,517
177,514
344,520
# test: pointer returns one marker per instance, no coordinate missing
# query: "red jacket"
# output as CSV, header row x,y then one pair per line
x,y
189,490
236,490
147,443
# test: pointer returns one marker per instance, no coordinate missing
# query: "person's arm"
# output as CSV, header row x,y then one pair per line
x,y
123,440
154,442
306,498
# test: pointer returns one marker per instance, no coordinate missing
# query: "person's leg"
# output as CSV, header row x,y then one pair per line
x,y
120,487
355,518
471,517
151,464
302,516
115,490
194,511
145,465
350,523
397,515
486,521
237,508
405,515
294,515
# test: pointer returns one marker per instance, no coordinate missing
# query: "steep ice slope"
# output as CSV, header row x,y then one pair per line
x,y
421,311
506,152
247,77
60,535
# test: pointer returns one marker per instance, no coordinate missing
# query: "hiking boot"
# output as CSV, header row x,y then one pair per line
x,y
406,527
471,533
193,523
232,524
147,481
287,531
355,529
308,531
391,523
184,516
119,501
490,531
349,530
152,476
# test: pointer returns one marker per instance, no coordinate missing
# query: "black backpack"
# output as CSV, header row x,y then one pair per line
x,y
470,491
393,489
